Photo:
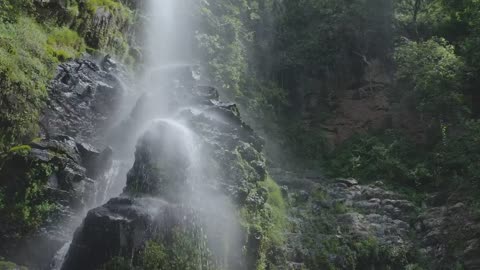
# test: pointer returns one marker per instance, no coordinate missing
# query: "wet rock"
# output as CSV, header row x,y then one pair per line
x,y
347,181
450,234
472,258
83,100
231,166
53,172
161,162
120,228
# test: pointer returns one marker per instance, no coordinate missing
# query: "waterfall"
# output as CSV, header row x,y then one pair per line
x,y
168,50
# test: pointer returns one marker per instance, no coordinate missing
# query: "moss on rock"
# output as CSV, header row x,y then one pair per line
x,y
24,204
265,225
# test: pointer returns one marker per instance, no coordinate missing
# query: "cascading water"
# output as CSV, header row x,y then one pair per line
x,y
168,52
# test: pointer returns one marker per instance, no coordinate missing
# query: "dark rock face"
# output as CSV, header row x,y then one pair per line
x,y
83,100
121,227
230,166
161,162
441,234
58,172
53,181
352,226
450,235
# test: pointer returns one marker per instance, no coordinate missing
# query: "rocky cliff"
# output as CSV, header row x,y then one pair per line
x,y
173,196
50,182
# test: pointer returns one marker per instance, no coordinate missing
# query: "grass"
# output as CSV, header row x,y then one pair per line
x,y
25,70
29,54
21,149
111,5
10,266
278,208
268,220
93,5
65,44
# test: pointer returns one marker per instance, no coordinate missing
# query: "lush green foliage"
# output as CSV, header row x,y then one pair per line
x,y
30,51
24,205
112,38
10,266
11,9
389,157
268,224
65,44
321,37
457,158
93,5
24,73
320,236
450,163
432,73
278,212
183,250
234,39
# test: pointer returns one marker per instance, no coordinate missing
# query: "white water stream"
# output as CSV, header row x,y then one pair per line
x,y
168,44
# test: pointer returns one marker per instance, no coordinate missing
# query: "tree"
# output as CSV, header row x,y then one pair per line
x,y
431,75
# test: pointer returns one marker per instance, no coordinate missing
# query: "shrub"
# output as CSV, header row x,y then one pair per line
x,y
388,157
24,73
154,256
119,263
431,75
10,10
186,249
65,44
29,54
23,193
265,223
93,5
458,156
278,212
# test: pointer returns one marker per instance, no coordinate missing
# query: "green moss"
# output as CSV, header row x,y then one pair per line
x,y
21,149
93,5
278,210
29,53
265,224
10,266
28,56
118,263
112,38
183,249
65,44
340,208
25,71
10,10
73,10
154,256
26,205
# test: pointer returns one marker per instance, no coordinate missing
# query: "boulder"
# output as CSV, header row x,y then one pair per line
x,y
190,167
83,101
51,180
161,161
120,228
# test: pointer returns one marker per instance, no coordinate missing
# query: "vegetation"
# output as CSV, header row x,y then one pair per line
x,y
10,266
25,71
65,44
429,48
24,205
266,226
329,248
30,51
182,250
430,75
237,58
